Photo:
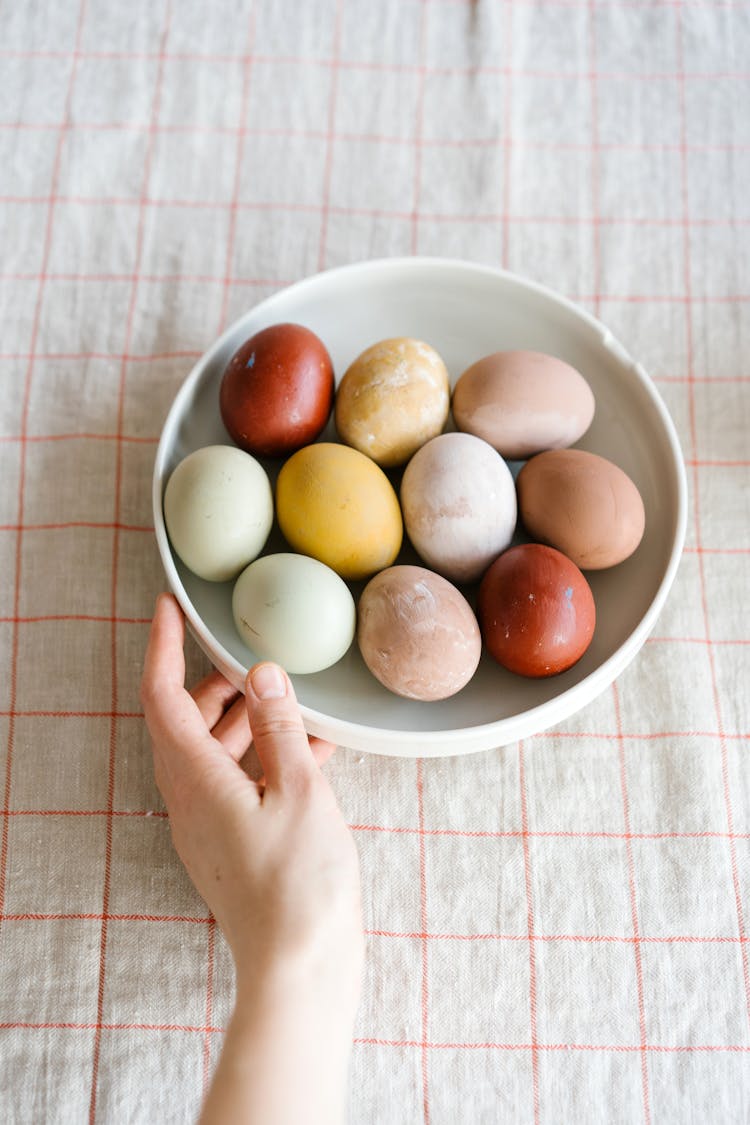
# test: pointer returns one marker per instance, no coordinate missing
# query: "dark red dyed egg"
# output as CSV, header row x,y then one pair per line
x,y
536,611
277,391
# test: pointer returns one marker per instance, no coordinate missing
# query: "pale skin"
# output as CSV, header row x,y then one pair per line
x,y
276,863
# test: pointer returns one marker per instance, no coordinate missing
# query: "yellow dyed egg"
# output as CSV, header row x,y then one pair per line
x,y
335,504
393,398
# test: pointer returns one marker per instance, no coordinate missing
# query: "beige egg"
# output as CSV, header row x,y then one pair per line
x,y
392,399
523,402
417,633
583,505
459,505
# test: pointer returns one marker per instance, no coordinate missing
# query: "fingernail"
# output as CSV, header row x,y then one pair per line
x,y
268,682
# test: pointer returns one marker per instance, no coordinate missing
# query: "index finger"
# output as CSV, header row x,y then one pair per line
x,y
166,704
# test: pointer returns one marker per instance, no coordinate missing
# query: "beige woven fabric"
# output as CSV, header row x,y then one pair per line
x,y
556,930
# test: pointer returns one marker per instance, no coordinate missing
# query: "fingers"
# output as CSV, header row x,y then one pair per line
x,y
321,749
278,732
321,752
213,696
233,730
172,716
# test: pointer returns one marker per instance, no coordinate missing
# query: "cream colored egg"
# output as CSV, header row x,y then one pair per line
x,y
459,505
294,610
392,399
218,508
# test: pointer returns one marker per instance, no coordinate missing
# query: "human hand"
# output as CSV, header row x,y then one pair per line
x,y
274,860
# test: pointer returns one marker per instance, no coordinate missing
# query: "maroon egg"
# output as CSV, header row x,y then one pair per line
x,y
536,611
277,391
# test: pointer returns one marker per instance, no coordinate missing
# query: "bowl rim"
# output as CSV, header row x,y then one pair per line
x,y
484,735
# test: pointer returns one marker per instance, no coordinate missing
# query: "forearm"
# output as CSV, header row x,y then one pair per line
x,y
285,1056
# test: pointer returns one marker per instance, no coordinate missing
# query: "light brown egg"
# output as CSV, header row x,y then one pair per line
x,y
523,402
417,633
392,399
582,504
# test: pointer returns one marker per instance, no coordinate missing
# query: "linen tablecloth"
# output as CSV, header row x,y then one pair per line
x,y
557,930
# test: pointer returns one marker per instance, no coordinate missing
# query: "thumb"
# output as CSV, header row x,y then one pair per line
x,y
277,728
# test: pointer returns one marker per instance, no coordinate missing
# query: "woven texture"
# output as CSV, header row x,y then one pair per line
x,y
557,930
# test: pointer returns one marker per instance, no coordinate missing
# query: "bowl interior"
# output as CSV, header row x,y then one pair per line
x,y
465,312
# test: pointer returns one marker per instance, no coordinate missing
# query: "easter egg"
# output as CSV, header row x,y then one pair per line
x,y
392,399
335,504
536,611
277,390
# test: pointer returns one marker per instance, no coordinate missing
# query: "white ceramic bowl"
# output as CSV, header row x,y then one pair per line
x,y
465,311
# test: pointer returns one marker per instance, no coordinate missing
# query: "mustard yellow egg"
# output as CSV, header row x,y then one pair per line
x,y
335,504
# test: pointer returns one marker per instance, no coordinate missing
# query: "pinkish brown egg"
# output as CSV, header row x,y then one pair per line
x,y
417,633
536,611
582,504
523,402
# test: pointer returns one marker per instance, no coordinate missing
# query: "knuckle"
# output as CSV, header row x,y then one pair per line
x,y
269,726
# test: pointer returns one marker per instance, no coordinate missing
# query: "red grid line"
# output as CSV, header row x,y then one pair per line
x,y
480,218
507,141
111,779
28,378
464,833
64,525
530,930
425,957
379,67
604,1048
330,138
594,151
79,437
401,935
634,736
61,916
210,922
416,141
696,504
247,61
633,907
492,141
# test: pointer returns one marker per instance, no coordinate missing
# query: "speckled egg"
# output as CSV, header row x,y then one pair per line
x,y
392,399
417,633
459,505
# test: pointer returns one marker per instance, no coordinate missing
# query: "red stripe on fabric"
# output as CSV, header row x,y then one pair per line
x,y
247,60
486,218
74,523
507,139
594,153
633,907
211,943
585,939
530,929
604,1048
111,767
423,918
690,350
330,138
416,141
29,375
